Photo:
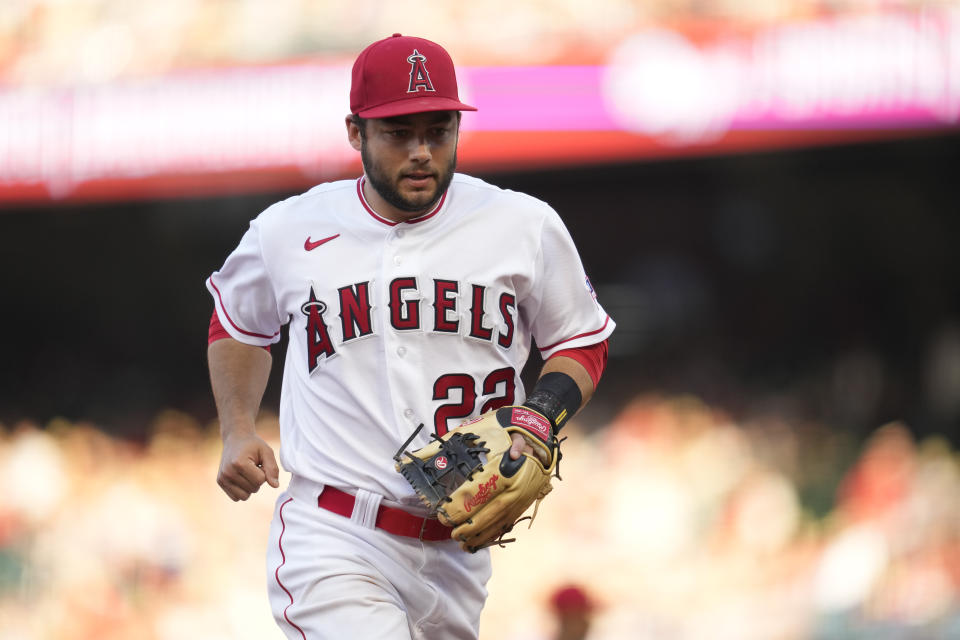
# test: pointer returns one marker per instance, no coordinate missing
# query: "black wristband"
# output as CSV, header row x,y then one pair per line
x,y
556,396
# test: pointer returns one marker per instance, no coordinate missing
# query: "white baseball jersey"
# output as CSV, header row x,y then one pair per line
x,y
394,324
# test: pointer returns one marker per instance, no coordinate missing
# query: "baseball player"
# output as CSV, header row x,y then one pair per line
x,y
412,295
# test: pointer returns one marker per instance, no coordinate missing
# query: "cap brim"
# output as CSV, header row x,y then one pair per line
x,y
414,105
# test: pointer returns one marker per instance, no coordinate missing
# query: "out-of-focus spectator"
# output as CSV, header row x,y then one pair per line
x,y
942,376
881,479
573,610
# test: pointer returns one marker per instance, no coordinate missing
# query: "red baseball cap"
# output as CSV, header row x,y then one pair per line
x,y
571,598
400,75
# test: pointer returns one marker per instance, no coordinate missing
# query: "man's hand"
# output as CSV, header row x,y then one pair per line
x,y
521,445
246,463
470,481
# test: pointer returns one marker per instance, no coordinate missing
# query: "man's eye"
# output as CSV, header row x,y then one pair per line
x,y
397,133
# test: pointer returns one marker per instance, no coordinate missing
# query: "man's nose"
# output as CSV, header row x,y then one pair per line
x,y
421,150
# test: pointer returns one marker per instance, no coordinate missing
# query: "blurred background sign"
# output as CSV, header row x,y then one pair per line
x,y
114,130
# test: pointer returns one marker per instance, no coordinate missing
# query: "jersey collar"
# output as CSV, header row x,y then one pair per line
x,y
391,223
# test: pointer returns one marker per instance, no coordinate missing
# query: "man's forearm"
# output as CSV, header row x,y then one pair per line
x,y
238,376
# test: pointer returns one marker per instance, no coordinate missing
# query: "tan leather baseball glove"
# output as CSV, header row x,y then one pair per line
x,y
468,479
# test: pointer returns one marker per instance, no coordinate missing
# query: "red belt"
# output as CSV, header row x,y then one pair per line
x,y
395,521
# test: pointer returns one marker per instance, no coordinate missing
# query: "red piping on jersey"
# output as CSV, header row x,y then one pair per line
x,y
230,320
379,218
592,358
581,335
217,332
277,572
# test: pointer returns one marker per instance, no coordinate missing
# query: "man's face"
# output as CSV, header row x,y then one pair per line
x,y
409,160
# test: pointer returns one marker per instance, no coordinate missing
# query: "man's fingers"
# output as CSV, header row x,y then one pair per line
x,y
248,475
519,446
270,468
232,477
522,445
234,492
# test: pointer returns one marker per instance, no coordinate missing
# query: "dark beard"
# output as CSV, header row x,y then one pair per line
x,y
384,185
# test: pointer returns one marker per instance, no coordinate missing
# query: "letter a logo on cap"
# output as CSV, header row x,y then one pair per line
x,y
419,76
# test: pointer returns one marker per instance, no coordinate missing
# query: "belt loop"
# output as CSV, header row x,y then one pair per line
x,y
365,508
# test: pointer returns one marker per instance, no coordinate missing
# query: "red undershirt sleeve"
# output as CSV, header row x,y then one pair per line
x,y
217,332
593,358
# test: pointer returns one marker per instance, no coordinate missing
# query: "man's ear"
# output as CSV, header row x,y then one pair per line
x,y
353,134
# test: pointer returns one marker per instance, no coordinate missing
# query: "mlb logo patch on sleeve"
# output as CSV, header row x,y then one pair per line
x,y
590,288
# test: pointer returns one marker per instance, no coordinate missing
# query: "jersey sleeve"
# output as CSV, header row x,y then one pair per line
x,y
243,293
565,312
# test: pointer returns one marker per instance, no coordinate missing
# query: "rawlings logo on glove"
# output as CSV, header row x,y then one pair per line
x,y
479,490
532,421
484,492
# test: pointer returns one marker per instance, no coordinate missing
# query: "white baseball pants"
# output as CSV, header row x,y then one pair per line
x,y
332,577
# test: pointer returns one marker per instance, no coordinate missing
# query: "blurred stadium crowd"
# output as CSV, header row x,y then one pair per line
x,y
679,521
50,41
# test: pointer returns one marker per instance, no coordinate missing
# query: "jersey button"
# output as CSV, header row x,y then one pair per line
x,y
399,233
408,413
401,351
397,260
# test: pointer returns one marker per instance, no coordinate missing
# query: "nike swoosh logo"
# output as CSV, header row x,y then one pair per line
x,y
310,246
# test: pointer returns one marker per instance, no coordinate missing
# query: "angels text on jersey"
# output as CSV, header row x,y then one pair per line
x,y
452,308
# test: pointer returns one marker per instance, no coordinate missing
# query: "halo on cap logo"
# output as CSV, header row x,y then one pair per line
x,y
419,76
440,462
